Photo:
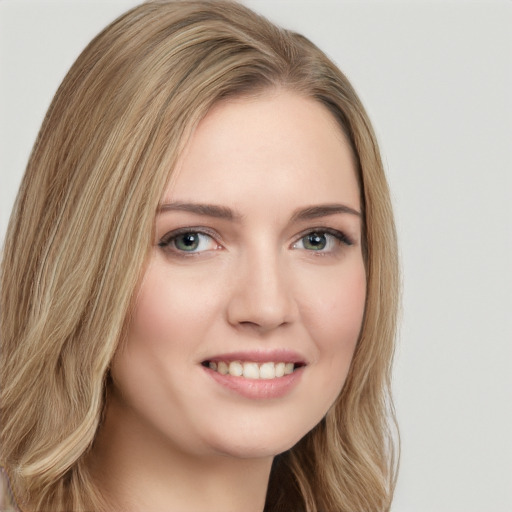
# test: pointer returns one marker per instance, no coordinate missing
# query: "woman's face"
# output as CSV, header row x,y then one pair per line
x,y
248,314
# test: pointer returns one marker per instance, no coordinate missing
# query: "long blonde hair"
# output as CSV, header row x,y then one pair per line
x,y
81,228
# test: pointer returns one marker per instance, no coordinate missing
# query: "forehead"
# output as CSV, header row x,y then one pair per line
x,y
281,142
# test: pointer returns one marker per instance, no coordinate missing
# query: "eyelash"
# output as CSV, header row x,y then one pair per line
x,y
339,237
167,240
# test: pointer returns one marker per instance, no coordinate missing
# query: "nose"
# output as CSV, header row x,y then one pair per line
x,y
262,298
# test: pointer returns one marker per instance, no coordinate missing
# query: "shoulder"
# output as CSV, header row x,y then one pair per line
x,y
7,503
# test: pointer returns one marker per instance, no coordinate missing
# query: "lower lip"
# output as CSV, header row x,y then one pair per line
x,y
258,389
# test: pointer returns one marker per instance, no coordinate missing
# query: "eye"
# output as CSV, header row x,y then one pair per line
x,y
188,242
322,240
315,241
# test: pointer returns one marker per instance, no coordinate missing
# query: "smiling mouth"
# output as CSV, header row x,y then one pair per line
x,y
252,370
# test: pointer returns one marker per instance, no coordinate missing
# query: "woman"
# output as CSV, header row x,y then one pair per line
x,y
199,283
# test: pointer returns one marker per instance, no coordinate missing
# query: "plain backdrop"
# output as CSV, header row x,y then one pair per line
x,y
436,79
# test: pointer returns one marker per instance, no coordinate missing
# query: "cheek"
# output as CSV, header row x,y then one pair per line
x,y
171,308
337,313
334,320
151,369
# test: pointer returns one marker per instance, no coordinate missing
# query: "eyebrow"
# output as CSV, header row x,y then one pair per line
x,y
323,210
223,212
208,210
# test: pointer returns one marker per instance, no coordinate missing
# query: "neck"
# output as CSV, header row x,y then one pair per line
x,y
135,470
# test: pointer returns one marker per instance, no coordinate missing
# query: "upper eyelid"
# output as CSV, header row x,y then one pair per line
x,y
166,244
219,239
190,229
330,231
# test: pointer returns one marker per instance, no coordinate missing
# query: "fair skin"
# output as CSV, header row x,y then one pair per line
x,y
256,262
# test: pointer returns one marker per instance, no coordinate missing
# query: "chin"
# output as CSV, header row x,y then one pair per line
x,y
258,441
254,450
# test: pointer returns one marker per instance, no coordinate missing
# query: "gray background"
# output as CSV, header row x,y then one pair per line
x,y
436,80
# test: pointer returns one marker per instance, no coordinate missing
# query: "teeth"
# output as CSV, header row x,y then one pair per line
x,y
267,371
251,370
236,369
288,368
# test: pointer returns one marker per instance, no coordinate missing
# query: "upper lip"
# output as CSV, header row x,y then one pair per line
x,y
260,356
